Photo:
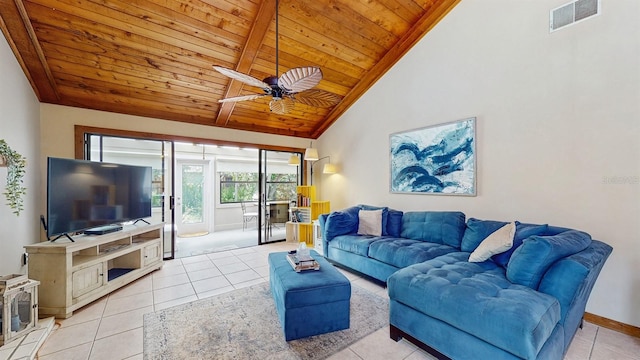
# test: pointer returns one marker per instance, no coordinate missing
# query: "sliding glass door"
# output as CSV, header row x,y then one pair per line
x,y
278,181
155,153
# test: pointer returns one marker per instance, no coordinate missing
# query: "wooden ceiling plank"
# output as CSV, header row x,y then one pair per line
x,y
117,60
380,15
349,20
133,73
256,36
297,33
123,79
98,17
213,25
329,31
177,98
100,48
429,20
408,11
131,103
87,31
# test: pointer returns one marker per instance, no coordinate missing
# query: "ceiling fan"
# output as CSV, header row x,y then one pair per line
x,y
295,85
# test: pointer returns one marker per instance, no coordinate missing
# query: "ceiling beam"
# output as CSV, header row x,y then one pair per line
x,y
20,35
254,41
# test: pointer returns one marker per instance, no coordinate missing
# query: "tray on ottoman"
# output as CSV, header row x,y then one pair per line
x,y
309,303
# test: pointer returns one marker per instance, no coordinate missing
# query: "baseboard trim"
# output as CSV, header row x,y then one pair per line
x,y
612,324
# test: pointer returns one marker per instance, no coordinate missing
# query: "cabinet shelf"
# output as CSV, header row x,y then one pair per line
x,y
311,209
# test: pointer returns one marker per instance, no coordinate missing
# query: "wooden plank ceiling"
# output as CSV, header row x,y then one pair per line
x,y
154,58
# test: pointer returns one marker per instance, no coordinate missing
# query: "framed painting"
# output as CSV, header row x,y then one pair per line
x,y
438,159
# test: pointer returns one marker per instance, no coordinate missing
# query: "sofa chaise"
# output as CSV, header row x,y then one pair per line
x,y
471,289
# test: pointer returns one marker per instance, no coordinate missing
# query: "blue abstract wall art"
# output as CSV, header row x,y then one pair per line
x,y
438,159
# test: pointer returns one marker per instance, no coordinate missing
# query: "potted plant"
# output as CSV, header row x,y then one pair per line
x,y
16,165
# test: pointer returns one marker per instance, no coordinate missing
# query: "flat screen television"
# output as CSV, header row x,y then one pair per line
x,y
83,195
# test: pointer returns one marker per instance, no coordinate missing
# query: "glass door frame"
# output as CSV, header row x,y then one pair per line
x,y
167,218
263,171
179,196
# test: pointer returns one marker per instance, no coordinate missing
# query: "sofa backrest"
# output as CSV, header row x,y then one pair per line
x,y
441,227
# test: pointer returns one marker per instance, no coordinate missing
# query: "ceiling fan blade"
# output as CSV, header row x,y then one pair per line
x,y
281,105
300,79
317,98
249,80
241,98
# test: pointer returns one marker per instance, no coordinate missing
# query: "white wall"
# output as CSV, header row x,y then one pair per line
x,y
20,128
557,127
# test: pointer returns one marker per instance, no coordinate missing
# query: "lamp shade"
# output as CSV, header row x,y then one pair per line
x,y
329,168
294,160
311,154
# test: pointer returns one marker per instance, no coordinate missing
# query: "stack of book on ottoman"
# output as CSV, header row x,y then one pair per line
x,y
301,262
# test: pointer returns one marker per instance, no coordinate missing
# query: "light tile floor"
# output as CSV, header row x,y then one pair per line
x,y
111,328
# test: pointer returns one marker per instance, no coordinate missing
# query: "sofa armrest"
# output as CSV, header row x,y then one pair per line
x,y
571,279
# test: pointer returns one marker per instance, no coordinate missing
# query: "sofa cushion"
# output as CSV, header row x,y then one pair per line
x,y
440,227
404,252
357,244
478,299
523,231
499,241
533,258
341,223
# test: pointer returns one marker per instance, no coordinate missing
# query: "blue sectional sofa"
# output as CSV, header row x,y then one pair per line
x,y
525,302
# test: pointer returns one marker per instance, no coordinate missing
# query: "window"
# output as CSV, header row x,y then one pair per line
x,y
282,187
238,186
243,186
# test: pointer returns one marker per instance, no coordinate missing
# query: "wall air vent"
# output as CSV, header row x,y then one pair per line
x,y
572,13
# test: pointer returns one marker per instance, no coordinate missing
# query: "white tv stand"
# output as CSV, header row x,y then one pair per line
x,y
74,274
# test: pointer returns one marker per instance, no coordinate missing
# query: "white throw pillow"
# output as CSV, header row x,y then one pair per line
x,y
498,242
370,222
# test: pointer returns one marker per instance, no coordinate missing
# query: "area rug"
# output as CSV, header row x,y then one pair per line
x,y
243,324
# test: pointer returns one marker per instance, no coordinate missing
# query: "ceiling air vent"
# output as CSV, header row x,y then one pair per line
x,y
572,13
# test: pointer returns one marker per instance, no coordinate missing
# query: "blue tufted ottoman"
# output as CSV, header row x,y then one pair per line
x,y
309,302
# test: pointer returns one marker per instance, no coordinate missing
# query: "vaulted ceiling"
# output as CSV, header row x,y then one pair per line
x,y
154,58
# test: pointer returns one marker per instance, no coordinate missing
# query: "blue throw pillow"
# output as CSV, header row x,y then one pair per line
x,y
478,230
533,258
394,223
523,231
341,223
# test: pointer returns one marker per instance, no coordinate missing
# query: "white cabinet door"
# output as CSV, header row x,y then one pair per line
x,y
87,279
152,253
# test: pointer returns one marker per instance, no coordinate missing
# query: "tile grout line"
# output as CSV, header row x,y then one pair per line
x,y
98,327
593,344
